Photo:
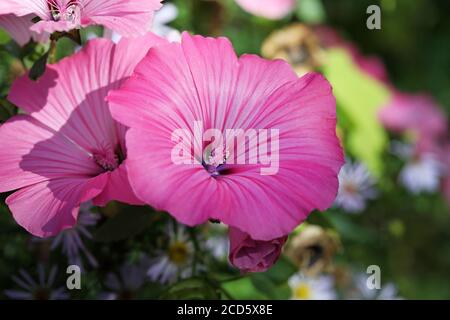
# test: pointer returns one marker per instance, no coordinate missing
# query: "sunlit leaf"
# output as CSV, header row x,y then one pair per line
x,y
359,98
192,289
311,11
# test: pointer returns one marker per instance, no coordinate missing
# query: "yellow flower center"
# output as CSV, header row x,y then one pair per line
x,y
302,292
178,253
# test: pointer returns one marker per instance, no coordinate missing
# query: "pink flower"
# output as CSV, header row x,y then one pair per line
x,y
202,80
67,149
419,114
250,255
126,17
270,9
19,28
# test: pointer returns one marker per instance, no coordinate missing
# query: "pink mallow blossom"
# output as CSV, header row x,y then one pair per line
x,y
202,79
129,18
270,9
417,114
66,149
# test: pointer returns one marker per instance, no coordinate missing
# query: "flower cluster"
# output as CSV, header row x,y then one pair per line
x,y
96,131
165,163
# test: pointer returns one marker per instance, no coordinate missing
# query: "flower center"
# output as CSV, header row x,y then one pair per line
x,y
65,10
350,188
41,294
302,292
178,253
107,159
214,161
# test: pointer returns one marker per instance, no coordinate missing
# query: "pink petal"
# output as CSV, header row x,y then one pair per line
x,y
19,28
118,188
47,208
270,9
31,153
51,26
202,79
129,18
24,7
70,96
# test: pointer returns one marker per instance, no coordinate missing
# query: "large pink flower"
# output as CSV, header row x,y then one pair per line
x,y
202,80
419,114
126,17
270,9
67,149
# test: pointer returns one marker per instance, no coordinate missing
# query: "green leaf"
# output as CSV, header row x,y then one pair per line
x,y
192,289
359,97
38,68
281,271
350,230
4,37
311,11
128,223
243,289
264,284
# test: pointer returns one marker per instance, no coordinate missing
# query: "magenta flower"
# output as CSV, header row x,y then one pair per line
x,y
177,86
67,149
250,255
126,17
418,114
270,9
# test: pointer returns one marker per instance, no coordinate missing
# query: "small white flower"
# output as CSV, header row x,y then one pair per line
x,y
387,292
422,172
305,288
126,284
356,186
42,289
175,260
167,14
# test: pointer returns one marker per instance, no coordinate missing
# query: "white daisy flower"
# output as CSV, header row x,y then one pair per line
x,y
422,172
356,186
42,289
387,292
167,14
71,240
305,288
126,284
175,261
